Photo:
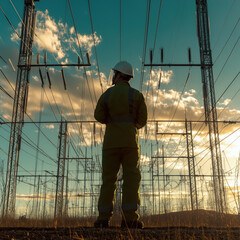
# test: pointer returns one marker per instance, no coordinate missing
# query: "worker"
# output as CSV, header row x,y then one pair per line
x,y
123,110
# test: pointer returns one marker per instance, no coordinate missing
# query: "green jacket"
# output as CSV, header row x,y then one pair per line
x,y
123,110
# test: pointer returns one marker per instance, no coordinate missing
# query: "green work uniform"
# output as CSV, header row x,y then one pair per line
x,y
123,110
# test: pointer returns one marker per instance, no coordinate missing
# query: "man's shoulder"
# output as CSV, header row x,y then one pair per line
x,y
137,92
108,90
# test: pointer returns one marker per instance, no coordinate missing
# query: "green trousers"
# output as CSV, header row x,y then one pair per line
x,y
112,159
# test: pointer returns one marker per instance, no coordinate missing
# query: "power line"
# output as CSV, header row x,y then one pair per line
x,y
225,20
227,59
145,41
85,73
120,1
7,79
227,41
31,29
217,121
154,44
228,86
156,31
3,59
95,48
3,90
79,46
10,23
31,144
217,102
26,152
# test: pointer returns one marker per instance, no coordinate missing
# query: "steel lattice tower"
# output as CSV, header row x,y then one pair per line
x,y
210,102
19,107
191,166
62,149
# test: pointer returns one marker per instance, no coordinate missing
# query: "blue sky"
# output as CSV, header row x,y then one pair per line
x,y
176,33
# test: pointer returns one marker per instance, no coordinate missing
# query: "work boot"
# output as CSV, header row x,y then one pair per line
x,y
101,224
132,224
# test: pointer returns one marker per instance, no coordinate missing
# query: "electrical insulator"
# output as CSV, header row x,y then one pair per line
x,y
26,99
41,77
88,59
94,133
78,63
151,56
45,58
161,55
49,80
160,79
64,81
189,55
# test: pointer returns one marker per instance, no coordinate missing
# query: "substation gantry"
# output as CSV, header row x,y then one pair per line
x,y
19,107
209,99
20,102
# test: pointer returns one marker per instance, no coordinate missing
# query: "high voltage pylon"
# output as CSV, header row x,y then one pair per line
x,y
19,106
62,149
210,103
20,103
191,166
209,100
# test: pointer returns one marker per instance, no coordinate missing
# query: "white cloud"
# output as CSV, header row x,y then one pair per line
x,y
86,41
52,69
158,77
48,33
50,126
7,117
176,164
53,36
35,78
50,24
145,160
65,62
14,36
71,30
225,102
190,92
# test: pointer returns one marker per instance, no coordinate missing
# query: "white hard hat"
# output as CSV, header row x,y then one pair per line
x,y
125,68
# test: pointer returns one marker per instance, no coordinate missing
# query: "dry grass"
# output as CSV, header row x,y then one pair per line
x,y
187,225
198,218
47,223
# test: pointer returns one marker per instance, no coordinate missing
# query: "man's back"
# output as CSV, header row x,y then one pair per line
x,y
123,110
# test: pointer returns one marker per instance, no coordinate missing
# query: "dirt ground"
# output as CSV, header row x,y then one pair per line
x,y
89,233
188,225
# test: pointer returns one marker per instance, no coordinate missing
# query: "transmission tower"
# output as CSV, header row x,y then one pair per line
x,y
19,107
58,211
191,166
210,103
66,187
